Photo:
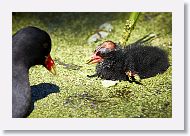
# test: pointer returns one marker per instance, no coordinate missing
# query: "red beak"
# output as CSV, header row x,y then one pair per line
x,y
94,59
50,65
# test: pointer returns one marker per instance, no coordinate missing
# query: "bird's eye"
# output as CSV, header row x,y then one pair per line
x,y
104,52
98,53
101,52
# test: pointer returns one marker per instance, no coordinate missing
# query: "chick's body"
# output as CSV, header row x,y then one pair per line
x,y
146,61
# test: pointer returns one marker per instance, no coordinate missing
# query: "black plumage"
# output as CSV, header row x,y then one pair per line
x,y
30,46
116,63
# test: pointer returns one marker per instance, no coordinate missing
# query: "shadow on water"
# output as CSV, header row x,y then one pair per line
x,y
42,90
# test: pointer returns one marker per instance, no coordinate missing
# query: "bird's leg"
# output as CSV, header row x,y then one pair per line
x,y
130,68
133,75
130,74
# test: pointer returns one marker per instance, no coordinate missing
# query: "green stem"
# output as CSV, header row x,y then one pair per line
x,y
129,26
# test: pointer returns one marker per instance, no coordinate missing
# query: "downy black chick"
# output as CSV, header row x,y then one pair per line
x,y
137,59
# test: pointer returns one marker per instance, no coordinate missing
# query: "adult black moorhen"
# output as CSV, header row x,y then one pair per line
x,y
117,63
30,46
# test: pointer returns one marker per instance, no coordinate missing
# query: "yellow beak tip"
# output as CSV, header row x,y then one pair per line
x,y
53,70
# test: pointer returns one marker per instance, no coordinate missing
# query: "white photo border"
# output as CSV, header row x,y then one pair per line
x,y
174,123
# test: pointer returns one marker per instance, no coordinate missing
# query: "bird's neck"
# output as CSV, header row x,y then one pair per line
x,y
20,80
21,92
20,71
19,60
